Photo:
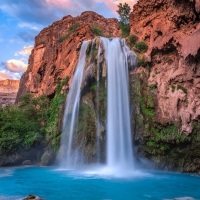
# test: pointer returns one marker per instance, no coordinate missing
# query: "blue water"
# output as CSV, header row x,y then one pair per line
x,y
53,184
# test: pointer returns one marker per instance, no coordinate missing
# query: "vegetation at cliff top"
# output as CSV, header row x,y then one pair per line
x,y
72,29
124,12
97,31
33,122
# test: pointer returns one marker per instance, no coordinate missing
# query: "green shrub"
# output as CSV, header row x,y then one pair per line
x,y
54,115
97,31
180,87
132,39
141,46
153,86
125,30
72,29
141,62
23,126
29,123
173,88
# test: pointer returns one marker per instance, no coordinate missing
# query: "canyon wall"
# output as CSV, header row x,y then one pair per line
x,y
8,91
164,91
169,83
51,60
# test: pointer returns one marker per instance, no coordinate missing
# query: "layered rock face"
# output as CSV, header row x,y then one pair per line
x,y
8,91
51,61
172,31
170,84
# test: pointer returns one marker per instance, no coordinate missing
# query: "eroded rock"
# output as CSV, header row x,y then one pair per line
x,y
51,61
171,29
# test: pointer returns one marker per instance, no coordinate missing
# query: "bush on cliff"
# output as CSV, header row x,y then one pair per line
x,y
141,46
132,39
54,116
72,29
97,31
125,30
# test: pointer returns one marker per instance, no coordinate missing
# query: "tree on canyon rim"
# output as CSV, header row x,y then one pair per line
x,y
124,12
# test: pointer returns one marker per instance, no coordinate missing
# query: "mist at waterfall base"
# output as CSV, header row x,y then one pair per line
x,y
119,151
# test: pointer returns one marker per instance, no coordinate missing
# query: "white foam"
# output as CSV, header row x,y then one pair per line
x,y
6,173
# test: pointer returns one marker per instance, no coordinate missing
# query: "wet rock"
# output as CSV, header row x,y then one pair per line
x,y
32,197
21,155
26,162
47,158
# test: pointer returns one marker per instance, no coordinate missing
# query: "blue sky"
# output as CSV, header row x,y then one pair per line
x,y
22,20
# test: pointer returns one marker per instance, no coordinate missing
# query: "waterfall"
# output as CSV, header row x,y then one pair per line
x,y
119,140
67,156
118,60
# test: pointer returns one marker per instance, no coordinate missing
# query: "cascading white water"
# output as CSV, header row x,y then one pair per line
x,y
119,152
67,156
98,126
119,140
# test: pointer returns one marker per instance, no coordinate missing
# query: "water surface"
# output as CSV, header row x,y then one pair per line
x,y
54,184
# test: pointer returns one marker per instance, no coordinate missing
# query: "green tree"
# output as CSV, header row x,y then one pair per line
x,y
124,12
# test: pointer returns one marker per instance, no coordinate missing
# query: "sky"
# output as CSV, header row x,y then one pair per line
x,y
22,20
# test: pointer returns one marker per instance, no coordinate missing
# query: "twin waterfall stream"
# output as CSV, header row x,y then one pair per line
x,y
117,59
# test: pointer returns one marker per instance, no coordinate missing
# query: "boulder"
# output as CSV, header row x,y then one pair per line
x,y
26,162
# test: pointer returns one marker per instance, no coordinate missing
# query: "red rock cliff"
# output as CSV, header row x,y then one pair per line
x,y
51,61
171,29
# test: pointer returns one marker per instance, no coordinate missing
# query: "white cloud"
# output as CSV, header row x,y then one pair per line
x,y
25,51
1,39
27,25
5,75
15,66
